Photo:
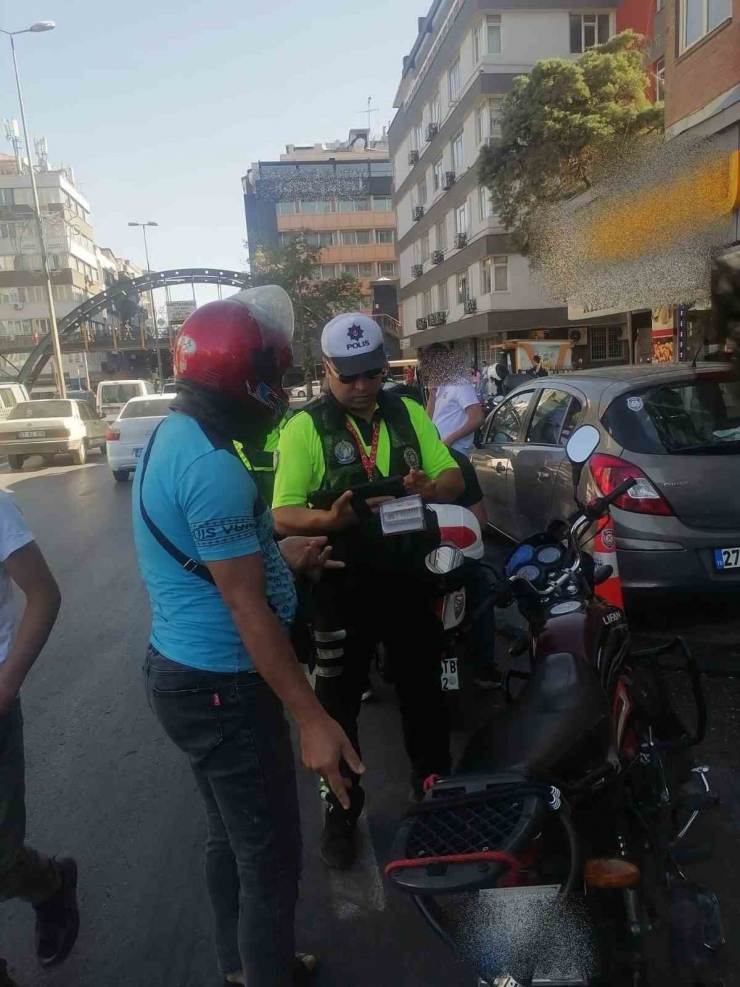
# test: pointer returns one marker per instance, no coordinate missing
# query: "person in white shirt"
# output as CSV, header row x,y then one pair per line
x,y
49,884
453,404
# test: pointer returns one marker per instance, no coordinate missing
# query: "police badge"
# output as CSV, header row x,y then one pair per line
x,y
345,452
411,458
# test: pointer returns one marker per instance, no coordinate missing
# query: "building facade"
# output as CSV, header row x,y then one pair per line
x,y
341,194
460,278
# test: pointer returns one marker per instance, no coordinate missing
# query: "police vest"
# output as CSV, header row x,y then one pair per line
x,y
343,467
260,463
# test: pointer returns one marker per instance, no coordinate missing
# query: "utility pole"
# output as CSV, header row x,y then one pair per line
x,y
151,301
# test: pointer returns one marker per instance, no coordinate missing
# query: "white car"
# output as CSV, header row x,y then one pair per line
x,y
113,395
302,392
45,428
128,435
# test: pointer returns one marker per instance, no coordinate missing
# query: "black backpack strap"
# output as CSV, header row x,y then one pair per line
x,y
188,564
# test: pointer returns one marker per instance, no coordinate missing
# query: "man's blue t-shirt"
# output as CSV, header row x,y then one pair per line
x,y
204,500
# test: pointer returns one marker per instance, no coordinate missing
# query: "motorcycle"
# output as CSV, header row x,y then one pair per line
x,y
554,852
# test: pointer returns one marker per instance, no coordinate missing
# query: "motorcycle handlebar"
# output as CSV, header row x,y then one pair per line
x,y
601,506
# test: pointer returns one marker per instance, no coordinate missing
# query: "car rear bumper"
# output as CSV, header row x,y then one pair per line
x,y
38,447
122,460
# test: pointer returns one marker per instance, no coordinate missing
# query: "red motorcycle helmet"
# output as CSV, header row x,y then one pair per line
x,y
238,349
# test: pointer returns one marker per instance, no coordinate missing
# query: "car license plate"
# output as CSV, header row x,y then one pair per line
x,y
727,558
138,452
32,435
450,678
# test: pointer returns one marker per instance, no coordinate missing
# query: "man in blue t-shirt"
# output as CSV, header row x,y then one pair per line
x,y
220,665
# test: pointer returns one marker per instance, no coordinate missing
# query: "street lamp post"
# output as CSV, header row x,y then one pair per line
x,y
151,299
37,29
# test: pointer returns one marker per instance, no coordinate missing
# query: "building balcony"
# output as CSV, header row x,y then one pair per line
x,y
437,319
471,306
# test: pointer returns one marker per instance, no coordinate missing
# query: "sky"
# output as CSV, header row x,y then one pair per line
x,y
161,106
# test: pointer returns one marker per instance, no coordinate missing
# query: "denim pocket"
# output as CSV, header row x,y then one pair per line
x,y
190,717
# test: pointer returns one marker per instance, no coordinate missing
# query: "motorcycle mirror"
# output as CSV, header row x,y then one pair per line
x,y
444,560
582,444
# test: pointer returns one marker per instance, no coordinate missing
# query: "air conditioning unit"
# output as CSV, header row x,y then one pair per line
x,y
417,212
18,306
417,270
578,337
432,131
413,157
625,333
449,180
421,323
471,306
438,256
437,318
461,240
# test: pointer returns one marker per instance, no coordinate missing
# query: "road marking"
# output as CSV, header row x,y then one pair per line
x,y
359,890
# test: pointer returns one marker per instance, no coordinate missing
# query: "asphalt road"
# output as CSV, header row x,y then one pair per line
x,y
105,785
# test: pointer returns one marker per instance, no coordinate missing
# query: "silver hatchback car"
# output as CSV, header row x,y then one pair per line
x,y
676,429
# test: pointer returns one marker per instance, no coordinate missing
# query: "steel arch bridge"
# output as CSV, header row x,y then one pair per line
x,y
39,356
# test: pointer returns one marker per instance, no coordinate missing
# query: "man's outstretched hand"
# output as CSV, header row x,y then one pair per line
x,y
308,555
417,482
324,745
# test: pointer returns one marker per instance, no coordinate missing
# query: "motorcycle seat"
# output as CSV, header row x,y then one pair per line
x,y
559,725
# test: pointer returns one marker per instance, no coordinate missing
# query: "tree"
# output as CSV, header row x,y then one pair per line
x,y
562,124
293,267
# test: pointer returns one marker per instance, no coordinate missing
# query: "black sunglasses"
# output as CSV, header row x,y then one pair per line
x,y
351,378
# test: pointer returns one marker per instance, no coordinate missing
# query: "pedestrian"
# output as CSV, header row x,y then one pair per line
x,y
49,884
408,375
538,369
453,404
220,667
475,379
355,435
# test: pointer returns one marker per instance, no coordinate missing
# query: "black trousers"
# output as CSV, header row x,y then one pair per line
x,y
352,612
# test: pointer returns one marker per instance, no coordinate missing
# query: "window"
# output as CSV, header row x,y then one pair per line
x,y
443,301
486,276
6,196
555,417
378,168
9,398
424,247
495,115
5,231
353,205
382,203
354,238
457,153
440,235
501,273
387,269
84,411
352,269
660,79
435,109
385,236
366,270
314,239
426,303
493,34
311,206
417,140
699,17
463,287
606,342
421,193
285,239
659,4
506,423
480,125
588,30
285,208
453,80
461,218
484,203
437,174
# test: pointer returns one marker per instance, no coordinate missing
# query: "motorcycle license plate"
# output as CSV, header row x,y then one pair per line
x,y
32,435
726,558
450,677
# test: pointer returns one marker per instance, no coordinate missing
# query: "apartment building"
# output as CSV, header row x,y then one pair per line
x,y
341,193
460,278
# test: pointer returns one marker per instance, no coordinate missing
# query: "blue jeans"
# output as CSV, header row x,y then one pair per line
x,y
236,736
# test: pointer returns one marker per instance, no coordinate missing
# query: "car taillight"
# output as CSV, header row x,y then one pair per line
x,y
112,435
643,498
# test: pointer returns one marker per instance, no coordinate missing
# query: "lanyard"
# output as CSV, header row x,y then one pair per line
x,y
367,461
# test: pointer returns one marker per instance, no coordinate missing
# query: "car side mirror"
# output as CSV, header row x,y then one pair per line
x,y
582,444
444,560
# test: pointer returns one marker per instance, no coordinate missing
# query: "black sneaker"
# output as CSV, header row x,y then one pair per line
x,y
5,979
58,919
338,846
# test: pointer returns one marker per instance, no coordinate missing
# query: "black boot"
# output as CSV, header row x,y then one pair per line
x,y
58,918
338,847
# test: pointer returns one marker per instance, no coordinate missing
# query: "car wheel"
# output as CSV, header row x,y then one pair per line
x,y
120,476
79,456
16,462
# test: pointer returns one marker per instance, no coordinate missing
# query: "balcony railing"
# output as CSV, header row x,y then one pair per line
x,y
417,270
416,213
421,323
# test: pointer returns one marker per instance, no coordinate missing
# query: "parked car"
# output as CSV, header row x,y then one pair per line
x,y
45,428
676,429
128,435
113,395
302,392
10,395
170,387
86,396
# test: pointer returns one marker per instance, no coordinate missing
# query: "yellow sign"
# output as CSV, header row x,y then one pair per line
x,y
637,224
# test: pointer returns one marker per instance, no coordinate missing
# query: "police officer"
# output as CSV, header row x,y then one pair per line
x,y
357,433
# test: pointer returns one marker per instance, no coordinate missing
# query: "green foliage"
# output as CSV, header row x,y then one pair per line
x,y
315,302
562,124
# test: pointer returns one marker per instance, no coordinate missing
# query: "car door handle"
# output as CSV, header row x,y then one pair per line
x,y
543,474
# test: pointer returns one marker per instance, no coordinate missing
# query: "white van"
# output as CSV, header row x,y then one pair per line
x,y
114,394
10,396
